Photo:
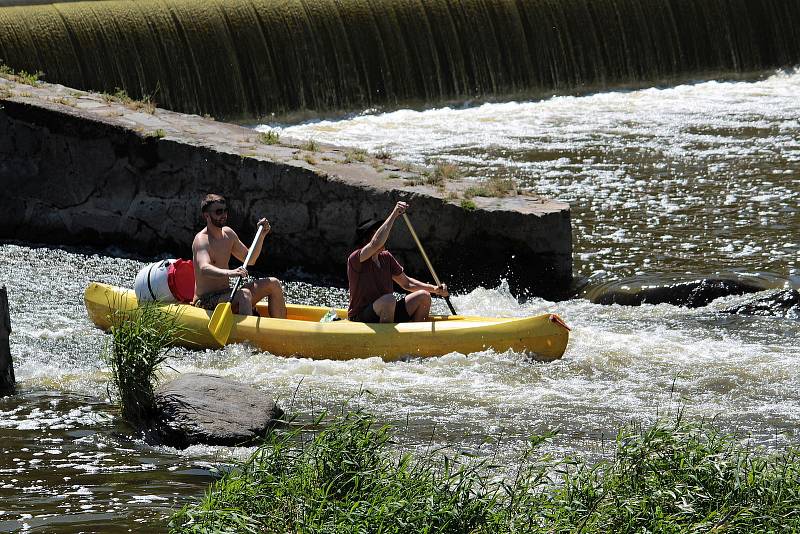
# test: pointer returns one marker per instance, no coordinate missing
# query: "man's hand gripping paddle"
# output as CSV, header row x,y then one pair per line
x,y
221,321
427,261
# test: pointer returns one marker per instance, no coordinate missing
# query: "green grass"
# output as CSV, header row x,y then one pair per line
x,y
671,477
383,153
22,76
493,187
357,154
271,137
145,104
468,205
443,173
120,95
140,342
64,101
310,145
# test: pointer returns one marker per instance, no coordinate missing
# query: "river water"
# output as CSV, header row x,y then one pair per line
x,y
701,178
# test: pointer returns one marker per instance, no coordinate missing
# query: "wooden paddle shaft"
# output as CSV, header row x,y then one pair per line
x,y
427,261
247,260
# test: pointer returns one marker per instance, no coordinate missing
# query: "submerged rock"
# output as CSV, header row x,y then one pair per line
x,y
204,409
784,303
690,293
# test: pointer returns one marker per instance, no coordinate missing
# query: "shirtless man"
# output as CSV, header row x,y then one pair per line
x,y
211,252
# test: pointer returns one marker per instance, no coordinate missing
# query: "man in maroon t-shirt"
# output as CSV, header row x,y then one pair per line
x,y
371,270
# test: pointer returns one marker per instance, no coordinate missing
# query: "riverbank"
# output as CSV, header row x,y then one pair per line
x,y
673,476
100,170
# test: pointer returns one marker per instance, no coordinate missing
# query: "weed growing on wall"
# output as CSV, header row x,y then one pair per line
x,y
310,145
271,137
21,76
357,154
443,173
493,187
383,153
146,104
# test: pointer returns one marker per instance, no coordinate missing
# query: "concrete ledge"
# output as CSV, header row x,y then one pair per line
x,y
80,170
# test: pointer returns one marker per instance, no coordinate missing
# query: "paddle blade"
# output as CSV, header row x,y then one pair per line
x,y
221,322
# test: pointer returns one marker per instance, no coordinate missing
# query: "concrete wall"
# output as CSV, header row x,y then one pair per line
x,y
78,170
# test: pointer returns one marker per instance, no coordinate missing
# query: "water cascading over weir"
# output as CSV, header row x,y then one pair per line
x,y
252,58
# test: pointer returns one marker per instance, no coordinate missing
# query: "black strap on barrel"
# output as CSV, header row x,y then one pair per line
x,y
149,287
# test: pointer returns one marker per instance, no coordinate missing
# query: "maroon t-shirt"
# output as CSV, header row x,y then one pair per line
x,y
368,282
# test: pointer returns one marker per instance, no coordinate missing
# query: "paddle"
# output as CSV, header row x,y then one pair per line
x,y
427,261
222,319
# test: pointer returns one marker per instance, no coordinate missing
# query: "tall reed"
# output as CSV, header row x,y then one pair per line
x,y
141,339
671,477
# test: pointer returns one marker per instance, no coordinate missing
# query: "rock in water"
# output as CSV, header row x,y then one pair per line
x,y
689,293
204,409
784,303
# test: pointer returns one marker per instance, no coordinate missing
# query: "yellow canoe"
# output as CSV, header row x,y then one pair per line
x,y
543,337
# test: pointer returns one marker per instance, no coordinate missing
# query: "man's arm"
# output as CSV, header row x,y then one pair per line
x,y
202,258
380,237
239,249
412,284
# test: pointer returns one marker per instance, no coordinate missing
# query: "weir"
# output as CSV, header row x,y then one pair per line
x,y
80,170
253,58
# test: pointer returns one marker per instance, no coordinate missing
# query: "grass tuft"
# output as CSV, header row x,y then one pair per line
x,y
145,104
383,154
272,137
120,95
468,205
357,154
443,173
141,340
310,145
671,477
493,187
64,101
28,78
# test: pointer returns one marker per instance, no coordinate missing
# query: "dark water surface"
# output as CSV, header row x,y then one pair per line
x,y
67,464
699,178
